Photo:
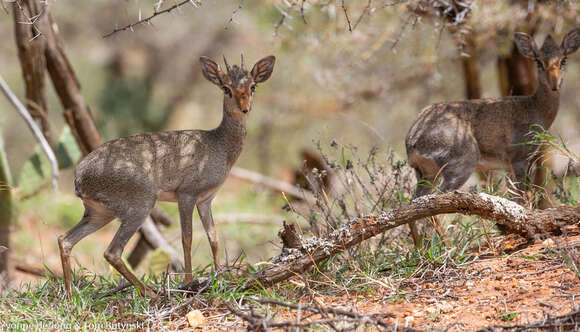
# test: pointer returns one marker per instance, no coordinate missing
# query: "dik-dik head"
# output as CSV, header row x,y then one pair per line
x,y
551,58
237,83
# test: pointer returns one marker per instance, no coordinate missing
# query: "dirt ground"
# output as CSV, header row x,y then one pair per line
x,y
520,288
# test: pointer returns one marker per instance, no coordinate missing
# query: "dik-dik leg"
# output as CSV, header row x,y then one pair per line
x,y
185,204
452,175
129,226
91,221
204,209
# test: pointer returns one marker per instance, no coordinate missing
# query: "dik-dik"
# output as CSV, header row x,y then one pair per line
x,y
449,140
124,178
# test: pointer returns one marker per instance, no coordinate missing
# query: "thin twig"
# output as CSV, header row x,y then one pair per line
x,y
35,130
148,19
351,314
257,320
31,20
302,12
366,10
407,21
346,15
283,17
234,13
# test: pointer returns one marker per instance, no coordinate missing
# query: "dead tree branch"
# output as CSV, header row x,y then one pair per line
x,y
515,218
77,113
152,16
566,322
35,130
329,316
37,270
346,16
234,14
274,184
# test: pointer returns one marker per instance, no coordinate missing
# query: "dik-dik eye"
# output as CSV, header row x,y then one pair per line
x,y
563,62
227,91
540,64
253,88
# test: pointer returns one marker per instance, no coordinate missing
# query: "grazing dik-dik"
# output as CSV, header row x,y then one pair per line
x,y
124,178
450,139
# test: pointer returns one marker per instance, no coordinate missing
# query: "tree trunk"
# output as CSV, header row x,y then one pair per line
x,y
31,45
470,67
76,111
7,212
516,74
517,219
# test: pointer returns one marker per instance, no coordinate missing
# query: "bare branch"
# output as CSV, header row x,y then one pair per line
x,y
283,17
366,10
271,183
37,270
516,219
346,15
411,17
157,240
234,14
32,125
302,12
152,16
328,316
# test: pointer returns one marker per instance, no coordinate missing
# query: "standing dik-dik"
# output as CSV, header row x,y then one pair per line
x,y
124,178
450,139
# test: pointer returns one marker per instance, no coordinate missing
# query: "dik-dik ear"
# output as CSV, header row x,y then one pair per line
x,y
526,45
211,71
571,42
263,69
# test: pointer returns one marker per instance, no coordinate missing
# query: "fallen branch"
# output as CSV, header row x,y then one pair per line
x,y
36,270
274,184
515,218
257,321
143,246
157,240
566,322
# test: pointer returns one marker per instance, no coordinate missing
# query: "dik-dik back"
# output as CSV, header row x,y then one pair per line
x,y
450,139
147,166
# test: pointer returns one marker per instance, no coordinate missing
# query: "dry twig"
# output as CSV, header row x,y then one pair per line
x,y
152,16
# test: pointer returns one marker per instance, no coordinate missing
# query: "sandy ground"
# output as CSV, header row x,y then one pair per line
x,y
521,288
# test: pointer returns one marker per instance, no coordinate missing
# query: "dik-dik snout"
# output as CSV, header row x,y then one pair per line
x,y
238,85
552,58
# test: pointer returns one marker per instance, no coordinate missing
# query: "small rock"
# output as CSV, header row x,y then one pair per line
x,y
548,243
469,283
432,310
444,307
195,318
